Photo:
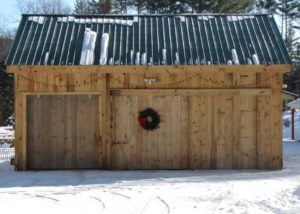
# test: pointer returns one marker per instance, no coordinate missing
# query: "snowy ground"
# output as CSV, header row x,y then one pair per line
x,y
227,191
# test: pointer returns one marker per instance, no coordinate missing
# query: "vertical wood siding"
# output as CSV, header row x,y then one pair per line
x,y
213,130
63,132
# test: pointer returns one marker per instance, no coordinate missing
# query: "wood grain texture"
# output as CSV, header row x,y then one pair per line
x,y
63,132
210,119
136,148
151,69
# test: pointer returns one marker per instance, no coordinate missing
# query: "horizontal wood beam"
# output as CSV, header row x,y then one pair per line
x,y
57,93
189,92
149,69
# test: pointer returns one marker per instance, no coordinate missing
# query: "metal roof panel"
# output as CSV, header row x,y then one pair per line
x,y
182,39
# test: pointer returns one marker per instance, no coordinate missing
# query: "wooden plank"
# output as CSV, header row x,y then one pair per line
x,y
248,142
163,134
140,135
205,131
64,141
264,140
176,130
219,132
225,124
20,122
56,93
276,121
215,128
70,133
30,135
229,122
188,92
184,133
104,109
150,69
195,134
153,136
125,144
169,131
236,152
81,146
116,130
132,124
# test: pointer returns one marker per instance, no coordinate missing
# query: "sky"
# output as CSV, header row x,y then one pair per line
x,y
10,15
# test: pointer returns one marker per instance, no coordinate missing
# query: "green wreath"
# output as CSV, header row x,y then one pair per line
x,y
149,119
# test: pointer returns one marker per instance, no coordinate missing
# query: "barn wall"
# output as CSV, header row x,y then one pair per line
x,y
223,129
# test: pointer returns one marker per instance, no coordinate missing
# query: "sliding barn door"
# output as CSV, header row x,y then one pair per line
x,y
63,132
163,148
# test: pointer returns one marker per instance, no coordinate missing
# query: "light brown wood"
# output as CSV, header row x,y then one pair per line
x,y
219,117
64,141
187,92
151,69
136,148
276,129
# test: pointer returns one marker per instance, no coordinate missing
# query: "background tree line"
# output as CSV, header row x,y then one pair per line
x,y
288,12
161,6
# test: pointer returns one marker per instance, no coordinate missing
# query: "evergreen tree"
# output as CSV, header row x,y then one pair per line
x,y
160,7
265,6
199,6
230,6
288,10
100,6
6,83
82,7
139,5
291,38
121,6
196,6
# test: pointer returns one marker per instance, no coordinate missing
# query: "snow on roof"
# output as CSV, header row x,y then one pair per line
x,y
166,39
294,104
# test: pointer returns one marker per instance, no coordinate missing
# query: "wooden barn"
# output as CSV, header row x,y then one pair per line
x,y
148,92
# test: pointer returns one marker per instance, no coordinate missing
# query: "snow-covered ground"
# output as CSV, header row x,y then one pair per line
x,y
211,191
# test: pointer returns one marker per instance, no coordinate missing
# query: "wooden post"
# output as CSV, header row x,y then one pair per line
x,y
293,125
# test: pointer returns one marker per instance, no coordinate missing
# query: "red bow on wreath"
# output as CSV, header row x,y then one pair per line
x,y
142,121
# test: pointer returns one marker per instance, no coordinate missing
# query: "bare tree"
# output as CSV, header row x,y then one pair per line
x,y
5,30
43,6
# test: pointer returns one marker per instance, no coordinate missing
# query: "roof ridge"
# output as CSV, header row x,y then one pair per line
x,y
151,15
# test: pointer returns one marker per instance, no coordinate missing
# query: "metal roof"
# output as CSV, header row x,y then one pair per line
x,y
215,39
